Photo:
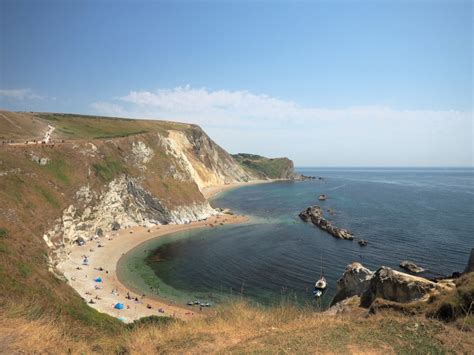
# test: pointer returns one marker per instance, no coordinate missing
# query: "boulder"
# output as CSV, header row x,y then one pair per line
x,y
411,266
470,263
397,286
354,282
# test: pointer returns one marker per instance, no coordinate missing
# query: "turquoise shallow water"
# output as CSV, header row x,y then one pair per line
x,y
424,215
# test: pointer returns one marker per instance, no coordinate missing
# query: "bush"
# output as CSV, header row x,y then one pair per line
x,y
3,233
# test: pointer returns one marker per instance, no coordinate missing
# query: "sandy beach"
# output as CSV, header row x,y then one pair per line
x,y
102,262
214,190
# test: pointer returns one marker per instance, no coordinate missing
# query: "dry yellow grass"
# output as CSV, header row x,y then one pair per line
x,y
241,328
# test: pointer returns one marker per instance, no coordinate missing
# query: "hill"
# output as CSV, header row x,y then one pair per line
x,y
266,168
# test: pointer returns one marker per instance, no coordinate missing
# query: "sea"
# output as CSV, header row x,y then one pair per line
x,y
417,214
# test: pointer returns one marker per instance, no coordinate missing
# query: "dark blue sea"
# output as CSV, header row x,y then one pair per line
x,y
423,215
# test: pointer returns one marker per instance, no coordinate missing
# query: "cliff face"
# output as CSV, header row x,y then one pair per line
x,y
103,172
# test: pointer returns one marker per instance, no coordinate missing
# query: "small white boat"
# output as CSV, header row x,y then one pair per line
x,y
317,293
321,284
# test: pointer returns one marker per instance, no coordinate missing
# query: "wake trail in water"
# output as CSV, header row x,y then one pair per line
x,y
337,187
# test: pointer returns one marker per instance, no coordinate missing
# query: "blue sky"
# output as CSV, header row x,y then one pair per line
x,y
377,83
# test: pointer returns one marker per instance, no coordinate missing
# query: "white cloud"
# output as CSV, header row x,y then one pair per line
x,y
20,94
364,135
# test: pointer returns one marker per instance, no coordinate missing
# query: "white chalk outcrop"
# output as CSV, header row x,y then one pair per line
x,y
124,203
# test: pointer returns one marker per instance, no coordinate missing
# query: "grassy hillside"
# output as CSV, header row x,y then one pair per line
x,y
34,196
271,168
241,328
31,125
71,126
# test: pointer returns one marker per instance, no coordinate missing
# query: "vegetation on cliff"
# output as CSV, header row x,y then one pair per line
x,y
266,168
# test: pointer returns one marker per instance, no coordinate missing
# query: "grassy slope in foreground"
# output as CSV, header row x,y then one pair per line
x,y
240,328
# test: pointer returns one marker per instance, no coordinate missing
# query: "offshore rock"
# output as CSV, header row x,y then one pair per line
x,y
411,266
314,214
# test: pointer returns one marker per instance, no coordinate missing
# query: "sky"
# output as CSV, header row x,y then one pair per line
x,y
325,83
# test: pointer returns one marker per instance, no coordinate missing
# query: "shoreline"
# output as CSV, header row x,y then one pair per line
x,y
103,262
111,290
210,192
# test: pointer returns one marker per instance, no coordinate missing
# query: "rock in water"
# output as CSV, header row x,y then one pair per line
x,y
411,266
397,286
354,282
314,214
470,263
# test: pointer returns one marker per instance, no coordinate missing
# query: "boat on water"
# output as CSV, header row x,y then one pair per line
x,y
321,284
322,197
317,293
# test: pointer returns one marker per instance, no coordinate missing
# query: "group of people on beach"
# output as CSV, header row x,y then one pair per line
x,y
99,285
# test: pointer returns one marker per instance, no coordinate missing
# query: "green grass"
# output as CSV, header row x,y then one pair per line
x,y
24,269
264,167
48,196
3,232
92,318
108,169
59,169
71,126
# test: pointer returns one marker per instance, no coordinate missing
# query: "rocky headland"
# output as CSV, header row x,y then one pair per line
x,y
391,287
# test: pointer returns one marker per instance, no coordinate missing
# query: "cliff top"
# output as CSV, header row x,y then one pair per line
x,y
33,125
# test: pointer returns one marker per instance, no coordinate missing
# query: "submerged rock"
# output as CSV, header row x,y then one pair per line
x,y
411,266
314,214
354,282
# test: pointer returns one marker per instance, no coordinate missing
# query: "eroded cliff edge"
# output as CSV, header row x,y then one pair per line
x,y
96,173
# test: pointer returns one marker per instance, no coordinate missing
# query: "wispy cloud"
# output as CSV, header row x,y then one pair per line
x,y
340,136
243,108
20,94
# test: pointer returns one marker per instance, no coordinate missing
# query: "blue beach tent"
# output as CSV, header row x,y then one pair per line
x,y
99,279
119,306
